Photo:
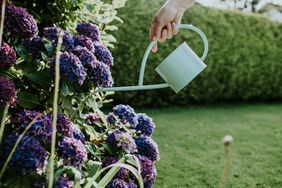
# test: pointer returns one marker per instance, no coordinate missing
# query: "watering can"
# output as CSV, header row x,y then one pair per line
x,y
178,69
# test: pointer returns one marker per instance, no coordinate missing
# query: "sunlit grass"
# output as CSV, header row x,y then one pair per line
x,y
192,152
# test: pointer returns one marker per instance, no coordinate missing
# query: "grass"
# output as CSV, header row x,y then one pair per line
x,y
192,152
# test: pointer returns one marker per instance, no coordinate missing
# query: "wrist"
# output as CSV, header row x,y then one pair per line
x,y
181,5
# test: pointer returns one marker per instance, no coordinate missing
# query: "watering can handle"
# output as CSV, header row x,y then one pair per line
x,y
180,26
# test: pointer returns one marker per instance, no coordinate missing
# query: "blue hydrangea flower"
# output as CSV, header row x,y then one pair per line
x,y
117,183
77,134
71,67
83,41
29,157
19,22
145,124
132,184
8,56
89,30
35,46
147,147
101,75
64,125
126,114
121,140
64,182
7,92
72,151
123,173
103,54
86,57
148,170
51,33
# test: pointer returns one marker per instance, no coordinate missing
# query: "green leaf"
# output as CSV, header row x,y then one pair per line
x,y
28,100
42,78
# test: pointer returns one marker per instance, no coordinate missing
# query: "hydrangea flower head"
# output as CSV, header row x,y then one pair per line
x,y
117,183
86,57
103,54
83,41
145,124
29,156
71,67
148,170
147,147
64,182
35,46
121,140
132,184
77,134
64,125
20,23
92,118
126,114
123,173
8,56
101,75
72,151
51,33
89,30
7,92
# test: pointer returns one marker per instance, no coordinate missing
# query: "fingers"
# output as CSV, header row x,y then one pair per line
x,y
169,30
174,29
155,48
156,29
163,36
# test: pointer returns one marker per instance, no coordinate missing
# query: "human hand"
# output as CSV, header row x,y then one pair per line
x,y
164,24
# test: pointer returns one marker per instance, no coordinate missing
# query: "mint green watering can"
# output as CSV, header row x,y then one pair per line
x,y
178,69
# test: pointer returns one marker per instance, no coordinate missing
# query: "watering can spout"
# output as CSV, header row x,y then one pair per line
x,y
178,69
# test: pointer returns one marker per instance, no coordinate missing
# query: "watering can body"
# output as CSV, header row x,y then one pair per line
x,y
178,69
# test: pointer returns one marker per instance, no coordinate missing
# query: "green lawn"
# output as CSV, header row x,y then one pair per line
x,y
192,152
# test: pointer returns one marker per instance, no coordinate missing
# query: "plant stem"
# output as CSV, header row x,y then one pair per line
x,y
16,144
4,117
55,110
227,166
2,21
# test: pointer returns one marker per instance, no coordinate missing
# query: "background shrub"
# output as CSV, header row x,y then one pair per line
x,y
244,60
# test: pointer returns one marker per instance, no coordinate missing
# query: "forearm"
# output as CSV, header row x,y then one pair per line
x,y
181,4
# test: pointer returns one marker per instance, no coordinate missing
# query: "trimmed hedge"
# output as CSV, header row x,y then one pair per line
x,y
244,60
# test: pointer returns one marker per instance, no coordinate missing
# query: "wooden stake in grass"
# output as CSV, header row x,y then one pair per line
x,y
2,21
55,111
227,163
4,117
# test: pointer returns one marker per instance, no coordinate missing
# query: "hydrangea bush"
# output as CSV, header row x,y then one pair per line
x,y
92,149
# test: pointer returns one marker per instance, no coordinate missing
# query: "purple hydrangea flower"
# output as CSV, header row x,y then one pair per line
x,y
103,54
148,170
71,67
29,156
64,182
35,46
145,124
121,140
72,151
117,183
111,118
51,33
86,57
101,75
64,125
147,147
132,184
19,22
77,134
123,173
92,118
7,92
89,30
23,117
8,56
83,41
126,114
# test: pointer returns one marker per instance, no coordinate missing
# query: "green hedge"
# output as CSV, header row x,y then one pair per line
x,y
244,60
